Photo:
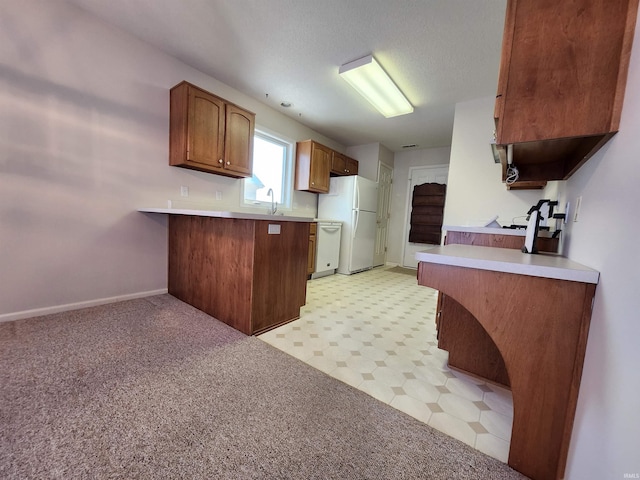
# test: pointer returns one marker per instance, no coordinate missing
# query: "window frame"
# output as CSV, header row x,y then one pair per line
x,y
287,170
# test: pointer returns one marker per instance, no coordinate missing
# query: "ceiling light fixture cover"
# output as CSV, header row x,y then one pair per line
x,y
372,82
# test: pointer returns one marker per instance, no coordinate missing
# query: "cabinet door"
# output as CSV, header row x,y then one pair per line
x,y
311,258
560,74
313,165
320,168
238,152
338,163
205,131
561,83
351,166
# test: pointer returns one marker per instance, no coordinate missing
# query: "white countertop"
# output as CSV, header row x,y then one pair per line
x,y
510,260
516,232
220,214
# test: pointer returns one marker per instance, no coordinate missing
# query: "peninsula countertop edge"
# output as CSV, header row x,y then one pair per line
x,y
507,260
227,214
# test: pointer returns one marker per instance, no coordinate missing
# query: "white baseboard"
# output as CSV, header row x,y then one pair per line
x,y
36,312
391,264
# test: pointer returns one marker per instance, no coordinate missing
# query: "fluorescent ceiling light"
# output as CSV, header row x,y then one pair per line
x,y
372,82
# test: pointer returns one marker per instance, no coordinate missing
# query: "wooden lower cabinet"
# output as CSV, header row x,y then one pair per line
x,y
237,272
470,348
311,257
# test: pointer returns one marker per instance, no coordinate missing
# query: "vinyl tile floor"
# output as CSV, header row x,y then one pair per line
x,y
375,331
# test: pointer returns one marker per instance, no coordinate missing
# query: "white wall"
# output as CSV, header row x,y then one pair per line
x,y
402,162
84,125
368,157
475,192
386,156
605,440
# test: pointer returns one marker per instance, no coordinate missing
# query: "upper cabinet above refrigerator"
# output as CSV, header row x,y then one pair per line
x,y
561,85
315,164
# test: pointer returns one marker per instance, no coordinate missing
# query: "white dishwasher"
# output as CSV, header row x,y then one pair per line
x,y
327,247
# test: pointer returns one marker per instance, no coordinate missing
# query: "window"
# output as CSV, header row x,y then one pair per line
x,y
272,161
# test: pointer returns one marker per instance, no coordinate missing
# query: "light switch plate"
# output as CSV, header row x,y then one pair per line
x,y
576,209
184,191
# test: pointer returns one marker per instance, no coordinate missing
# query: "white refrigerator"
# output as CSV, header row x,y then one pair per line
x,y
352,200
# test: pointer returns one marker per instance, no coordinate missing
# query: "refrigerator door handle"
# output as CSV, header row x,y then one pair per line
x,y
356,217
356,194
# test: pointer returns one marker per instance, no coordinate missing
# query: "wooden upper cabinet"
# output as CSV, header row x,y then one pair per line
x,y
338,163
205,135
313,165
351,166
208,133
238,154
562,79
343,165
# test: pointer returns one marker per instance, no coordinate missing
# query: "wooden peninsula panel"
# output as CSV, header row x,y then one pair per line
x,y
542,338
236,271
470,347
544,243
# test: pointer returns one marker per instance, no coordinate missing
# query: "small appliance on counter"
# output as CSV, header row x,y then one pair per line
x,y
538,216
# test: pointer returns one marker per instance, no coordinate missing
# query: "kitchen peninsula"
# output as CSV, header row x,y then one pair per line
x,y
246,270
537,310
459,333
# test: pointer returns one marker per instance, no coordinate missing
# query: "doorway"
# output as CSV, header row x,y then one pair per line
x,y
418,176
385,174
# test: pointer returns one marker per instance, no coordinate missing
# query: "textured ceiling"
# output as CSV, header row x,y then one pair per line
x,y
439,52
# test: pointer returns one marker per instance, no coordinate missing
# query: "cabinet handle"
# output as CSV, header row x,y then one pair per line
x,y
220,161
228,162
313,183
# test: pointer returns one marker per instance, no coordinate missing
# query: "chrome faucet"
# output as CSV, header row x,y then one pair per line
x,y
274,204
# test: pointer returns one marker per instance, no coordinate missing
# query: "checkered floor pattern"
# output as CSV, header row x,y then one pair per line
x,y
375,331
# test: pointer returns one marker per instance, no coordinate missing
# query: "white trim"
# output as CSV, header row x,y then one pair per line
x,y
388,212
37,312
287,174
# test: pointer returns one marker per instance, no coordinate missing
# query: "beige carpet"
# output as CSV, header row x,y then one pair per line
x,y
153,388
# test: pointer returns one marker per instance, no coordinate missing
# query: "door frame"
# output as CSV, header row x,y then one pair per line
x,y
382,165
407,205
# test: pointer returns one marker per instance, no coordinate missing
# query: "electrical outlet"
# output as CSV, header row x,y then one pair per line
x,y
576,210
184,191
218,195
